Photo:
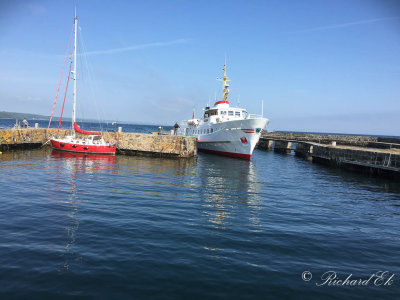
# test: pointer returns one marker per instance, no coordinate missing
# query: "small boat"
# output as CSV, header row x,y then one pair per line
x,y
225,130
88,142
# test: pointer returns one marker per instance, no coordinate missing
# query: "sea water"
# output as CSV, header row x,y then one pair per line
x,y
207,227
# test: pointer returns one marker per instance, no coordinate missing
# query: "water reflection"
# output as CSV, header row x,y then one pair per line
x,y
85,164
25,158
154,165
160,172
226,185
73,165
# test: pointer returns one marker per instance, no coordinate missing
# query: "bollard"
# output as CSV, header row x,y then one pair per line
x,y
119,129
37,125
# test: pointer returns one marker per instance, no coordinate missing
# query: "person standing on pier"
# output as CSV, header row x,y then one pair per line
x,y
176,126
25,123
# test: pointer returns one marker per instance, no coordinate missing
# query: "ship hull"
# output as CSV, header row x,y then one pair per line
x,y
236,138
63,145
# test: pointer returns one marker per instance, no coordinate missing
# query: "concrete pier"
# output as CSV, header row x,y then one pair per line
x,y
127,143
283,146
373,161
304,150
265,144
373,155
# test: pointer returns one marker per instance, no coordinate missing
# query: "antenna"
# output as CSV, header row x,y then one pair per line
x,y
225,85
262,108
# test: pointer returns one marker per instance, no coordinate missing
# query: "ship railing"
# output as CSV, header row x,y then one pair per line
x,y
254,116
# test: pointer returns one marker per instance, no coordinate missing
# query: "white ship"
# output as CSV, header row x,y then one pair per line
x,y
225,130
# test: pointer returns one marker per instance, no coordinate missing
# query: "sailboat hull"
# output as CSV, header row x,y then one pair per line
x,y
80,146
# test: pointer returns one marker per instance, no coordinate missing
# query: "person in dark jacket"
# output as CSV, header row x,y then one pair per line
x,y
176,126
25,123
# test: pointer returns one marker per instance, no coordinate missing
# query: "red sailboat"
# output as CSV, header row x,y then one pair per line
x,y
93,143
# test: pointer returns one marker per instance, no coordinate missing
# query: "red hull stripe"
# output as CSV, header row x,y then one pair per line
x,y
91,149
221,102
213,141
230,154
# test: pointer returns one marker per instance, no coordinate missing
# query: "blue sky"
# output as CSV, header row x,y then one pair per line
x,y
322,66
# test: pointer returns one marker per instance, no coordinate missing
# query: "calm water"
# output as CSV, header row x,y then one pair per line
x,y
211,227
9,123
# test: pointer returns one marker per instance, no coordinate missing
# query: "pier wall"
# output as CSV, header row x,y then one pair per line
x,y
370,157
127,143
373,155
153,145
351,140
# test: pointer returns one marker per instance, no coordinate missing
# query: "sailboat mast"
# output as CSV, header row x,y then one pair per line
x,y
74,73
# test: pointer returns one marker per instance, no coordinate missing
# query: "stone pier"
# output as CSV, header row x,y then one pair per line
x,y
304,150
283,146
265,144
374,155
127,143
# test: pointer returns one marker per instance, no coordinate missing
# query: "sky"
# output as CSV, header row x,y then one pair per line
x,y
318,66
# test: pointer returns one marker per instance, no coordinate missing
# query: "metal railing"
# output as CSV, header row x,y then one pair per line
x,y
253,116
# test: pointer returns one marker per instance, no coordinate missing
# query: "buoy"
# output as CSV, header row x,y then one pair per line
x,y
1,152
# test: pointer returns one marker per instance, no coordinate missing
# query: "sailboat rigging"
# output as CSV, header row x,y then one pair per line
x,y
92,142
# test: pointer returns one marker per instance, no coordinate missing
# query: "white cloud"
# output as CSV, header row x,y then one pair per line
x,y
344,25
137,47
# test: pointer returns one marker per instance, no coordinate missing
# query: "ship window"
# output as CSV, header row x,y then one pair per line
x,y
212,130
223,112
237,113
230,113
